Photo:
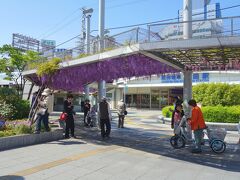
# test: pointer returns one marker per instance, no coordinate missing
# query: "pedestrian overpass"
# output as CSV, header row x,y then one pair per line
x,y
151,55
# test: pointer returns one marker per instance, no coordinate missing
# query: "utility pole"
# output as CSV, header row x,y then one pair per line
x,y
187,16
102,83
87,13
187,34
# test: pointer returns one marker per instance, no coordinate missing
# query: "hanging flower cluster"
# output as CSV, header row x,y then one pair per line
x,y
74,78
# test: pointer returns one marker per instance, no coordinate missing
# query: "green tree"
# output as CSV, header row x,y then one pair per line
x,y
13,62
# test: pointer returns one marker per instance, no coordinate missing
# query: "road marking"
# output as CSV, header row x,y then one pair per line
x,y
145,126
63,161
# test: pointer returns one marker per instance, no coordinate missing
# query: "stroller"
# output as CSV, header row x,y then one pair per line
x,y
91,117
215,137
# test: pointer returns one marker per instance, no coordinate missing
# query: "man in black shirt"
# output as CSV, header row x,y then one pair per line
x,y
105,117
68,108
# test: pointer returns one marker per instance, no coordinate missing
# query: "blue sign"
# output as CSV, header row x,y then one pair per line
x,y
176,78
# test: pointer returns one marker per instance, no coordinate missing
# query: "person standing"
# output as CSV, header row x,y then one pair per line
x,y
105,117
42,112
197,125
68,108
121,113
87,108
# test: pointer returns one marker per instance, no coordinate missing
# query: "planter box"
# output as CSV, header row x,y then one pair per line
x,y
29,139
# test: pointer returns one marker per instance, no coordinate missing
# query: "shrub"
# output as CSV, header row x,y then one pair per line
x,y
6,110
214,94
8,95
12,130
11,105
224,114
7,133
82,56
22,109
227,114
166,111
23,129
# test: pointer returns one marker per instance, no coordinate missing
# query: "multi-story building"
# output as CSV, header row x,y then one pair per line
x,y
202,27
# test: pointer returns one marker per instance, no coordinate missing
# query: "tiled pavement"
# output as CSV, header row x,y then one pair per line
x,y
141,150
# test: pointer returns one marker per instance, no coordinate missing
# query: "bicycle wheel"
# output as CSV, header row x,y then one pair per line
x,y
177,142
218,146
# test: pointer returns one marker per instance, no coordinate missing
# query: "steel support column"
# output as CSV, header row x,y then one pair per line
x,y
101,84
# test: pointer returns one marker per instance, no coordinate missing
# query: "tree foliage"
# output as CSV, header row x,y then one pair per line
x,y
217,94
13,62
11,105
49,67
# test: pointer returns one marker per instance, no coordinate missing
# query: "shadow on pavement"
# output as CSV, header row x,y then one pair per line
x,y
153,142
11,177
65,142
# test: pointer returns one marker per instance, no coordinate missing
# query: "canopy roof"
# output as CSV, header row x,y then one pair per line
x,y
223,58
75,77
145,59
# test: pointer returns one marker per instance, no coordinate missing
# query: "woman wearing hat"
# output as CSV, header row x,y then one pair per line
x,y
42,112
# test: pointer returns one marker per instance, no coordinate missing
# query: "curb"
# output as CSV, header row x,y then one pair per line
x,y
29,139
227,126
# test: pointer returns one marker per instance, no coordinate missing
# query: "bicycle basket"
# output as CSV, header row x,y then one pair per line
x,y
218,133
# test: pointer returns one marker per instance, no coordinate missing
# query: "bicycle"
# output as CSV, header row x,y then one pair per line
x,y
215,138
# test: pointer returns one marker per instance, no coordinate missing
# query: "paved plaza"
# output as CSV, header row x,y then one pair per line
x,y
141,150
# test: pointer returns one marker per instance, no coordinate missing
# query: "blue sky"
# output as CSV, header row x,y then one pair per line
x,y
60,20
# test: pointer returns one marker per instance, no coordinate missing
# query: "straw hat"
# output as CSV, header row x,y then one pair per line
x,y
46,92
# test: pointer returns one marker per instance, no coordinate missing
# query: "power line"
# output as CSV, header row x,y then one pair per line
x,y
128,26
153,22
62,27
125,4
165,20
62,43
57,24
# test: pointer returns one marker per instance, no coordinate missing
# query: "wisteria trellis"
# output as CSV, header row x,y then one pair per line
x,y
74,78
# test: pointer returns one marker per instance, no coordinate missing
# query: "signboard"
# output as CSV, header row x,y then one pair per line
x,y
63,53
177,78
48,47
25,43
48,43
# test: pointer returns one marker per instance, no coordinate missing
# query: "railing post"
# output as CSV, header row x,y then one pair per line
x,y
137,34
232,26
149,33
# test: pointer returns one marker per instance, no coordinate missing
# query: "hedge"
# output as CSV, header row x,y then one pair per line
x,y
224,114
214,94
166,111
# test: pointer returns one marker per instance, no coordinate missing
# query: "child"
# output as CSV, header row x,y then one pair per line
x,y
177,116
